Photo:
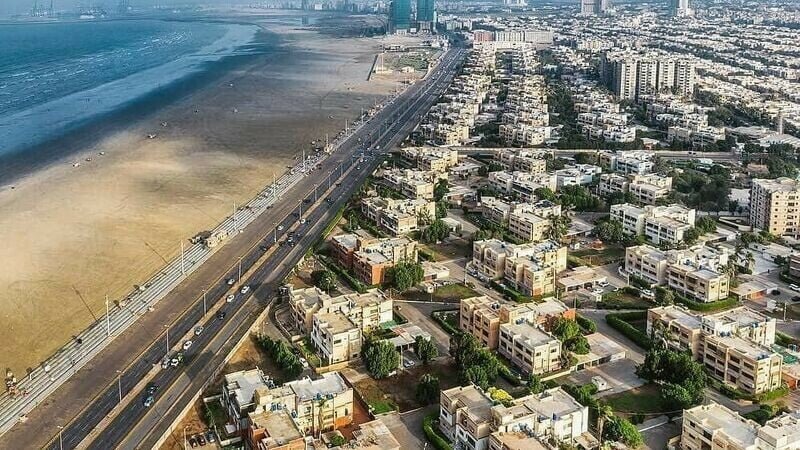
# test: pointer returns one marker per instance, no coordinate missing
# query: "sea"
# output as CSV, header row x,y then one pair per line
x,y
59,77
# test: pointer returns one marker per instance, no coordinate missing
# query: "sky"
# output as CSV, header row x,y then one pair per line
x,y
23,6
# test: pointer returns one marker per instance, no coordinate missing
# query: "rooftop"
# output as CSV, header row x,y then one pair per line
x,y
743,346
784,428
374,435
723,420
679,315
330,384
278,426
337,322
517,441
244,383
476,401
530,334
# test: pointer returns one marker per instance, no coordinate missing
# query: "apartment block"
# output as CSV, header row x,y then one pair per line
x,y
335,337
656,223
534,271
254,403
371,258
677,327
552,414
472,421
366,311
434,159
529,161
521,184
397,216
465,416
531,349
648,189
693,272
743,322
577,175
527,226
482,316
410,183
714,426
628,162
738,362
775,206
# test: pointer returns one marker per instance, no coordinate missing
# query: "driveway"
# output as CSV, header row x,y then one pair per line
x,y
420,314
407,427
620,376
599,317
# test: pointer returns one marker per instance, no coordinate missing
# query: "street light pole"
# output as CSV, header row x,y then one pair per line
x,y
108,319
119,385
60,439
185,442
240,269
204,302
167,327
275,225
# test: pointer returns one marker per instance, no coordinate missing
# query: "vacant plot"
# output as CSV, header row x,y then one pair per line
x,y
600,257
642,400
452,249
624,300
399,392
451,293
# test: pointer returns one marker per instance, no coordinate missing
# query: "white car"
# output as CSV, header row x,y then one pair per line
x,y
302,221
280,227
245,289
198,330
187,345
647,293
602,283
231,281
794,287
230,298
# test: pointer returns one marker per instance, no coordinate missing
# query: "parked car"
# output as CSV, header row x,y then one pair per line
x,y
151,388
201,440
231,281
210,437
193,442
794,287
148,401
280,227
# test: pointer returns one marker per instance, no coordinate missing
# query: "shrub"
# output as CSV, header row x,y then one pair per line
x,y
773,394
618,322
437,317
437,440
587,325
719,305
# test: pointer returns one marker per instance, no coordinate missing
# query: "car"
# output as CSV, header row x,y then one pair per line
x,y
794,287
408,363
280,227
263,248
329,200
245,289
302,221
193,442
796,298
174,362
151,388
307,200
201,440
231,281
148,401
602,283
221,315
198,330
647,293
230,298
187,345
210,437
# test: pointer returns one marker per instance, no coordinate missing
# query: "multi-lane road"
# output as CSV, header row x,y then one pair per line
x,y
122,366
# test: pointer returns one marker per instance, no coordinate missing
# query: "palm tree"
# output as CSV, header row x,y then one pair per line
x,y
559,225
604,412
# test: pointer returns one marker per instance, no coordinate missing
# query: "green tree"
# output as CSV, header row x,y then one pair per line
x,y
337,440
324,279
706,224
544,193
666,366
428,389
610,231
380,358
569,333
604,413
500,396
535,384
559,226
405,274
425,349
440,190
441,209
476,375
435,232
476,364
579,198
620,430
585,158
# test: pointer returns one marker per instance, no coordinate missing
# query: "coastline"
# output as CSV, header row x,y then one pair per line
x,y
77,234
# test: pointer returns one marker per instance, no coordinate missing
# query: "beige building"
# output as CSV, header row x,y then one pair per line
x,y
693,272
434,159
656,223
680,329
371,258
534,273
738,362
648,189
775,206
472,421
410,183
397,216
366,311
530,161
482,316
335,337
531,349
530,222
714,426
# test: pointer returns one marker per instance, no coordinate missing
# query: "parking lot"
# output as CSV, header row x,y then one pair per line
x,y
620,376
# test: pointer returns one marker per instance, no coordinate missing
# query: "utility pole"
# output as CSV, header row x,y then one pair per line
x,y
183,266
234,217
204,302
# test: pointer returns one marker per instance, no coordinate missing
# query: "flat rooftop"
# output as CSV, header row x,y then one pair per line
x,y
784,428
722,419
330,383
679,315
278,425
517,441
743,346
243,384
477,403
337,322
530,334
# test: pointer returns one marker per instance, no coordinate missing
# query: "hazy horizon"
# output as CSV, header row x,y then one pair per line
x,y
11,7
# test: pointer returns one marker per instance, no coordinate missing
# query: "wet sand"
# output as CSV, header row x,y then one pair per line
x,y
74,234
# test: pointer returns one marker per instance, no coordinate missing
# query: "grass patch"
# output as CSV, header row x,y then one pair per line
x,y
644,400
374,397
623,300
448,320
600,257
452,293
453,249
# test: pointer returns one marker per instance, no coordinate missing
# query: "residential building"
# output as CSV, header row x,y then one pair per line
x,y
577,175
465,416
656,223
628,162
373,257
694,272
648,189
274,430
335,337
434,159
738,362
374,435
533,271
528,347
679,329
410,183
366,311
714,426
397,216
775,206
516,160
521,184
482,316
551,414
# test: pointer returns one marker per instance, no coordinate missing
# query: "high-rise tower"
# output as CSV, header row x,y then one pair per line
x,y
400,16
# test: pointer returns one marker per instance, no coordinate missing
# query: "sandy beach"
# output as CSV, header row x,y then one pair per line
x,y
76,234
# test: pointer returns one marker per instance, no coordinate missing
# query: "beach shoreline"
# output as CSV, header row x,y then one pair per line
x,y
79,233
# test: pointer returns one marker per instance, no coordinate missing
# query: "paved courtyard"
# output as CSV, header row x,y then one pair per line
x,y
620,376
